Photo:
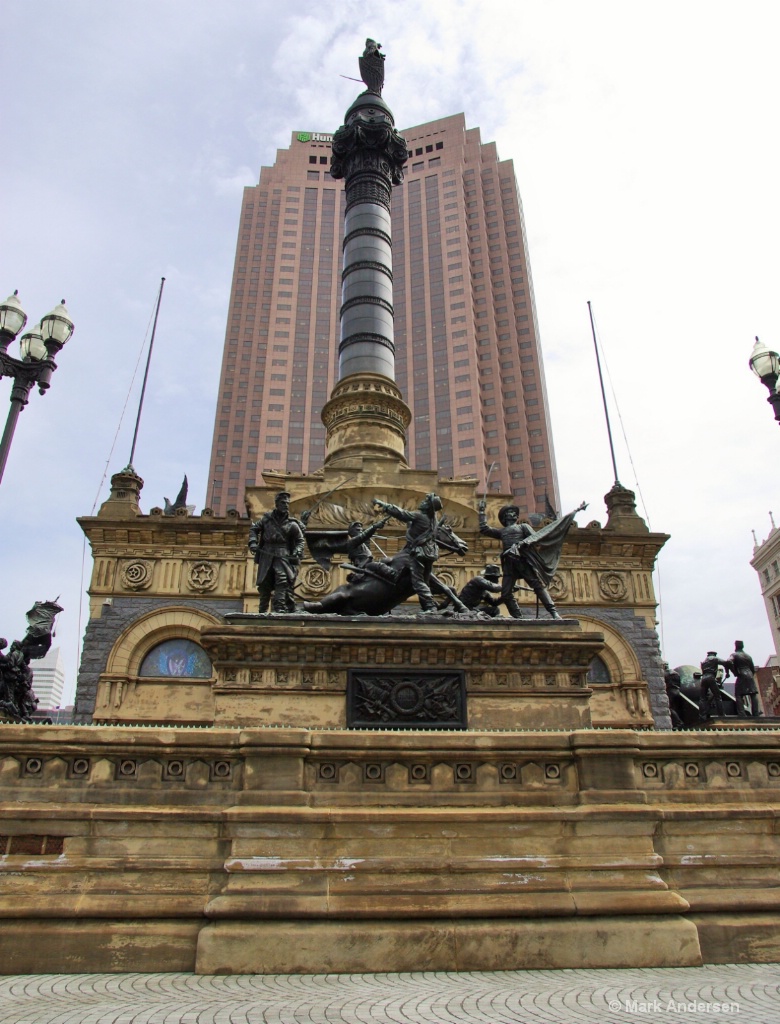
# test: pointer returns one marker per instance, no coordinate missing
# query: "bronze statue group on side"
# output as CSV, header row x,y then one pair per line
x,y
376,586
704,697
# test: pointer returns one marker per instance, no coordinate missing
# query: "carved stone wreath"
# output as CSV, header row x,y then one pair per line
x,y
447,578
558,588
613,586
202,576
136,575
316,580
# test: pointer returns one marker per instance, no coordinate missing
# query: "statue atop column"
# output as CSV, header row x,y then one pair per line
x,y
372,67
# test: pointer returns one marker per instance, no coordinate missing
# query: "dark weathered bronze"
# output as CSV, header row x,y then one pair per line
x,y
17,698
171,508
352,542
475,595
378,699
381,585
674,696
276,541
372,67
741,665
420,543
527,554
711,692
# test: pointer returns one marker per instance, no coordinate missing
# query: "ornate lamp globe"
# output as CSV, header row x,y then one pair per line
x,y
12,319
56,328
764,362
31,345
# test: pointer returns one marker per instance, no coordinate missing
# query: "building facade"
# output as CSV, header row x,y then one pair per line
x,y
468,358
766,562
49,679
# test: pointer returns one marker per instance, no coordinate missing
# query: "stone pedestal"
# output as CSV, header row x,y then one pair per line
x,y
400,672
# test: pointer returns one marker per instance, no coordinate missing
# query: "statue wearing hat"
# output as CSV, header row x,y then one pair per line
x,y
527,554
276,541
475,594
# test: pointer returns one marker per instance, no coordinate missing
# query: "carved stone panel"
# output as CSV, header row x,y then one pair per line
x,y
136,575
406,700
202,576
613,586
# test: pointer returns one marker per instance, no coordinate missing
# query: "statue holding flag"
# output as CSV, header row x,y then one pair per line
x,y
527,554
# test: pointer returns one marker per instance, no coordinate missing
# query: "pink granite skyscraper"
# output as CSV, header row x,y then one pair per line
x,y
467,354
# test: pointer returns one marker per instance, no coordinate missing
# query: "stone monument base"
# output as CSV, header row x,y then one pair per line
x,y
293,851
401,672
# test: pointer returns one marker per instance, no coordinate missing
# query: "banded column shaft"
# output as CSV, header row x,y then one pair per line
x,y
366,416
369,154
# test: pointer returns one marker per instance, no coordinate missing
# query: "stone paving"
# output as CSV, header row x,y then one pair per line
x,y
744,992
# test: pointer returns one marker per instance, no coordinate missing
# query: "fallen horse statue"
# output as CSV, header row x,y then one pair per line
x,y
379,586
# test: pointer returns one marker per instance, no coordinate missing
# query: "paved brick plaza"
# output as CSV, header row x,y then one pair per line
x,y
746,992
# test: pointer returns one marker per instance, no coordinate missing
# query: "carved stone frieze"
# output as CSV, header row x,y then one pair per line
x,y
315,581
559,589
202,576
409,700
137,574
613,586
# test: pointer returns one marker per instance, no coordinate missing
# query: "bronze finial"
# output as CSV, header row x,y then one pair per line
x,y
372,67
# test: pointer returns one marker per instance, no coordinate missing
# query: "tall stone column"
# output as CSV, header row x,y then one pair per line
x,y
366,414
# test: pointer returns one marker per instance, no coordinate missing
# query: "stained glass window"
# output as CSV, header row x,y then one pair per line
x,y
598,672
177,657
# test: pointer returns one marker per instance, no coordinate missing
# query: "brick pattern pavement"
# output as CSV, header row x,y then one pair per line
x,y
695,995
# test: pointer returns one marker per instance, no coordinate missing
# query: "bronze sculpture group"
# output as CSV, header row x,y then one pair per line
x,y
705,697
377,586
17,697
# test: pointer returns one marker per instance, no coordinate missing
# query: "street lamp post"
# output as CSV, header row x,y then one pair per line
x,y
766,365
38,348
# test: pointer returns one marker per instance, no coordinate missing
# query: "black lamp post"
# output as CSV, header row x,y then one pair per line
x,y
766,365
38,347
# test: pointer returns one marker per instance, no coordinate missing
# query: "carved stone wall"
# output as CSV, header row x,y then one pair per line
x,y
103,633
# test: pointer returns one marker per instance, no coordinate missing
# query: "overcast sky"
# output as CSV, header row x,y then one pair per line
x,y
644,138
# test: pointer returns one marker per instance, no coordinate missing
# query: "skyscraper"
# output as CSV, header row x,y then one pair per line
x,y
468,359
49,679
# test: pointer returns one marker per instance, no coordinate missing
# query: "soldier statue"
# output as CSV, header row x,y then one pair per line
x,y
744,671
421,545
276,541
527,554
475,594
710,686
673,685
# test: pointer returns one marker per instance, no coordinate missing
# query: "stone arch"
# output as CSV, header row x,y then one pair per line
x,y
624,701
146,632
618,654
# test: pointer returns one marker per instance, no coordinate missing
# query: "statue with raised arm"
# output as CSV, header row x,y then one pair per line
x,y
17,698
527,554
421,543
276,541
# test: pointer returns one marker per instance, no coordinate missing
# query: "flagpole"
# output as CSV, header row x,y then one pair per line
x,y
146,374
603,394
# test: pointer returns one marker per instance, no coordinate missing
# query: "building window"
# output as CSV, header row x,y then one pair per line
x,y
177,657
598,673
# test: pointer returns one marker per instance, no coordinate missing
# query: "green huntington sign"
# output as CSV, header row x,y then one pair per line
x,y
313,137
